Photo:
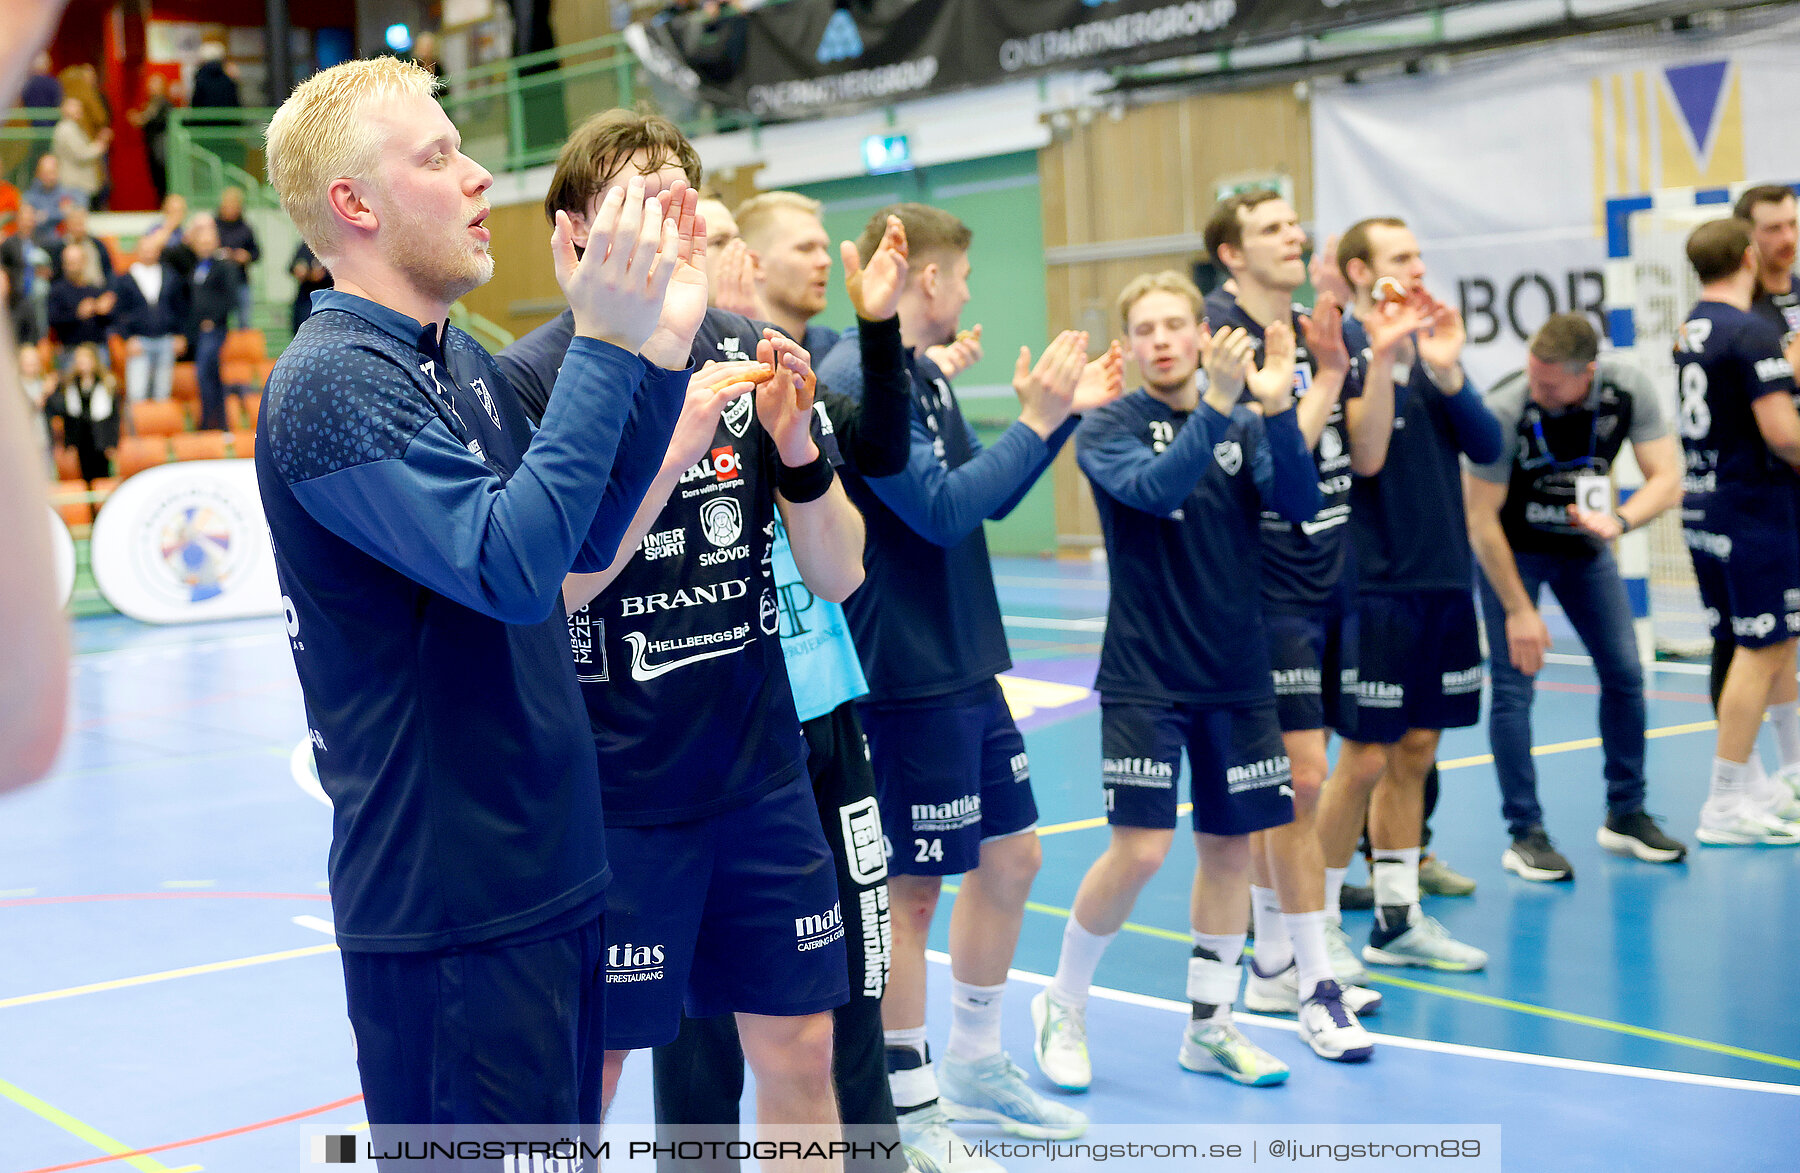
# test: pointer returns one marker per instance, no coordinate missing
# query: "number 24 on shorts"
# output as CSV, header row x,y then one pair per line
x,y
928,850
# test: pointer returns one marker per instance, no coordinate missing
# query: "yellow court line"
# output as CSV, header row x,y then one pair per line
x,y
1568,1016
86,1132
164,976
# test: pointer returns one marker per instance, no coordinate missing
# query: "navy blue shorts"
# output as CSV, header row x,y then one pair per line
x,y
1417,665
950,777
1749,578
1239,768
1306,653
735,913
485,1034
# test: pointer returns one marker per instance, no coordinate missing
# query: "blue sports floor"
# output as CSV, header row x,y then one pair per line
x,y
170,999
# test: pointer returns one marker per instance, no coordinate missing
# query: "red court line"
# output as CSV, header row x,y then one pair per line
x,y
197,1140
96,898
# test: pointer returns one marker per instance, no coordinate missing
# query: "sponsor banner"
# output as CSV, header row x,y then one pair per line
x,y
806,57
62,552
181,543
1514,183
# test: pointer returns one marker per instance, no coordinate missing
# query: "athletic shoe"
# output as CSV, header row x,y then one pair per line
x,y
1329,1026
1637,834
1345,966
1533,857
1217,1047
1739,824
1356,897
993,1091
1424,943
1061,1044
1789,776
1772,796
1437,878
1279,993
931,1146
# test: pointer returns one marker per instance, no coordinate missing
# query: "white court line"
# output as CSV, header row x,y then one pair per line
x,y
317,924
300,767
1407,1044
1676,667
1097,623
1095,584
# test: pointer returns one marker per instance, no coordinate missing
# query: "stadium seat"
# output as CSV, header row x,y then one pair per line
x,y
199,446
185,385
137,453
243,442
153,418
244,346
68,497
250,408
68,464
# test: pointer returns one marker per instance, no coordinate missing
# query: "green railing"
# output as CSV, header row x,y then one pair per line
x,y
22,141
518,112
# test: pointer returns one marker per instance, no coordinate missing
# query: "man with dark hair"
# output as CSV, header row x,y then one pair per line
x,y
1564,419
1742,436
1306,595
954,781
735,748
1417,651
1769,209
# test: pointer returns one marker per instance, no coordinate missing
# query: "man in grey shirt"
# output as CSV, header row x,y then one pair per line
x,y
1532,523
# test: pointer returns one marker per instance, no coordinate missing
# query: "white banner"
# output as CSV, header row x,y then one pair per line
x,y
181,543
1505,165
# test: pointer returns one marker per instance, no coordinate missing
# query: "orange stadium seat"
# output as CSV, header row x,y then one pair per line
x,y
137,453
185,384
243,442
68,464
152,418
199,446
67,499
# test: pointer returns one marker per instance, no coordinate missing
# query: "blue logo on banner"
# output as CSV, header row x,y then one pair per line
x,y
842,41
1697,90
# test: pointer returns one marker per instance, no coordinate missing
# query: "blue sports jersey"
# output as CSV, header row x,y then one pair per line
x,y
1303,558
926,620
1407,522
679,658
421,535
1725,360
1781,310
1180,497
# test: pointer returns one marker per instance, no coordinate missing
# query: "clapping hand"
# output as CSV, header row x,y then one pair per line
x,y
617,286
875,288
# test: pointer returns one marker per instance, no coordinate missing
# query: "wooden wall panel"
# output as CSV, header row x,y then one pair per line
x,y
1119,184
523,294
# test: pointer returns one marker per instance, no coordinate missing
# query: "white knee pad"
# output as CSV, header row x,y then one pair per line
x,y
1212,983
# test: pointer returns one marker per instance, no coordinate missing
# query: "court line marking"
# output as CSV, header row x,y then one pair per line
x,y
1410,1044
1053,624
164,976
200,1140
1489,1000
115,1149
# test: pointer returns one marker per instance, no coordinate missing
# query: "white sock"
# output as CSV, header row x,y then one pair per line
x,y
1786,719
1307,931
1395,874
1227,948
974,1020
1273,949
1730,780
1334,893
1213,981
1081,952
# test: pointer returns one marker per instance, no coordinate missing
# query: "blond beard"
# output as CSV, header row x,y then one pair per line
x,y
431,264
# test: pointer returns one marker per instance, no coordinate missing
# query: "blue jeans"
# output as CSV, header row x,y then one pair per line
x,y
1593,597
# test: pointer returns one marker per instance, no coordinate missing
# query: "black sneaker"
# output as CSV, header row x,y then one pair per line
x,y
1637,834
1533,857
1356,897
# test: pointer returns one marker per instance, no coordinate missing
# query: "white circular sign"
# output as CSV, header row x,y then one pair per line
x,y
62,552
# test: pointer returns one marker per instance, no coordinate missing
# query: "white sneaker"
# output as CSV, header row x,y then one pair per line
x,y
993,1091
1279,993
1217,1047
1742,824
932,1147
1772,796
1427,944
1346,967
1329,1026
1060,1045
1789,776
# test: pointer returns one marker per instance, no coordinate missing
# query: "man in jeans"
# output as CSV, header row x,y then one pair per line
x,y
1565,417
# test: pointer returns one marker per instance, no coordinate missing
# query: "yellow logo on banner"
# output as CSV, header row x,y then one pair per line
x,y
1679,126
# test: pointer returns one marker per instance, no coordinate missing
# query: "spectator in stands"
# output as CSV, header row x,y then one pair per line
x,y
86,401
424,54
310,275
214,87
80,151
38,387
239,239
217,277
170,232
75,231
42,90
152,118
47,193
29,272
151,314
80,306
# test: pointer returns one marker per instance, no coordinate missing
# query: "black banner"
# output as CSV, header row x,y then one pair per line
x,y
807,57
